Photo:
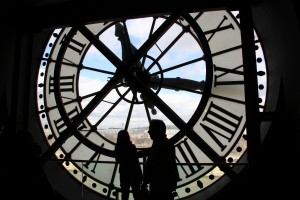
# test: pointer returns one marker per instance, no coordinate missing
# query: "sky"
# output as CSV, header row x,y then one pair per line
x,y
184,103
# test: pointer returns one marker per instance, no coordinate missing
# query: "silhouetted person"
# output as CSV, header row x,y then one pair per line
x,y
129,166
160,171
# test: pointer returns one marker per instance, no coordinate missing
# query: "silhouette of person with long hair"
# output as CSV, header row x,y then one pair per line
x,y
129,167
160,171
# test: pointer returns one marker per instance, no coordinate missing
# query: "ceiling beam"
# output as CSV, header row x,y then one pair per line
x,y
69,12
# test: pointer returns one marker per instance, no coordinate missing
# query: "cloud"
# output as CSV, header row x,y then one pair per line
x,y
184,50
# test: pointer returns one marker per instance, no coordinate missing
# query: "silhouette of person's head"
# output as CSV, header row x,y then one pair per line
x,y
123,137
157,129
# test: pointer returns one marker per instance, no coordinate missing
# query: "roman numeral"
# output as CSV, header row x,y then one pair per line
x,y
75,45
66,84
60,125
227,75
186,154
219,28
221,124
92,158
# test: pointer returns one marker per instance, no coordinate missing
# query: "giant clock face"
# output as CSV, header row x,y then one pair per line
x,y
187,70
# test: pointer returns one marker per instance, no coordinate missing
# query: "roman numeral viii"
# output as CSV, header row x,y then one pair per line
x,y
220,124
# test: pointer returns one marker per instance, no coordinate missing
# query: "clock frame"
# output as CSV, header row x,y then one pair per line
x,y
210,144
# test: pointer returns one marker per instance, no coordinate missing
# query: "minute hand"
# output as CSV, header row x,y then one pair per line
x,y
127,48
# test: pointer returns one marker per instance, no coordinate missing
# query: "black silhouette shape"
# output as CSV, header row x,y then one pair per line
x,y
129,169
160,171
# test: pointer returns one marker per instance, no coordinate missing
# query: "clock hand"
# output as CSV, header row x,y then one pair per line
x,y
176,83
172,83
127,48
168,83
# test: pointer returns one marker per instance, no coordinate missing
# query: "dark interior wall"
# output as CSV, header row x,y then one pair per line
x,y
6,61
278,25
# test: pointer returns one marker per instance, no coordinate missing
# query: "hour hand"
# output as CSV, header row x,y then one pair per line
x,y
177,83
